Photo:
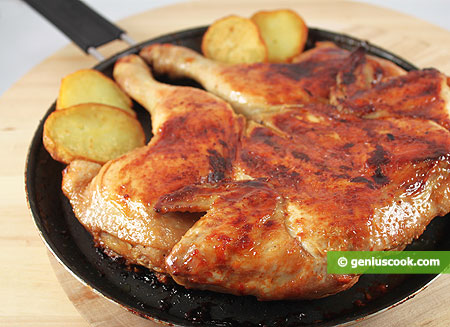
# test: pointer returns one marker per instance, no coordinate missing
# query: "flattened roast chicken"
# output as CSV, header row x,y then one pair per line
x,y
334,153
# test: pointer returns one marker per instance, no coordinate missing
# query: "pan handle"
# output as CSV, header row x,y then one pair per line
x,y
84,26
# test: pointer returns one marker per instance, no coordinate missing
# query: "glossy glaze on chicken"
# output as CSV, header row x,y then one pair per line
x,y
246,186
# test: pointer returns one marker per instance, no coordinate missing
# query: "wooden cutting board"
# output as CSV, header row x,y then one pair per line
x,y
32,296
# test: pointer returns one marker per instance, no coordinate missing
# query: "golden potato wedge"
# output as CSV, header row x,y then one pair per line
x,y
91,131
284,33
234,39
91,86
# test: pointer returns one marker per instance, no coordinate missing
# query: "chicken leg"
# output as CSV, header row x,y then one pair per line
x,y
195,136
255,89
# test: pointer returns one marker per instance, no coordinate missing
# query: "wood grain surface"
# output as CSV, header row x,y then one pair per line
x,y
31,292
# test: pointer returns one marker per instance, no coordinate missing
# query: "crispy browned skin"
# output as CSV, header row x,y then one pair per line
x,y
423,94
275,195
254,89
343,173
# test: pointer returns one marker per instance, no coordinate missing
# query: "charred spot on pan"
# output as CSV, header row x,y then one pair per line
x,y
199,315
364,180
164,304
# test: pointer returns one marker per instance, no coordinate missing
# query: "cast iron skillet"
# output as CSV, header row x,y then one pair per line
x,y
138,290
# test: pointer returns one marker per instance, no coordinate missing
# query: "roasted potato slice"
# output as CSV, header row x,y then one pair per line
x,y
91,131
91,86
234,39
284,33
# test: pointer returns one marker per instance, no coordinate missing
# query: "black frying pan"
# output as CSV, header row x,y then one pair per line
x,y
137,289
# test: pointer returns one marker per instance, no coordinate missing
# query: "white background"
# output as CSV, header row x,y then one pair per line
x,y
27,38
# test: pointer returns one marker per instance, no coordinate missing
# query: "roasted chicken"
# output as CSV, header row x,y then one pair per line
x,y
251,206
